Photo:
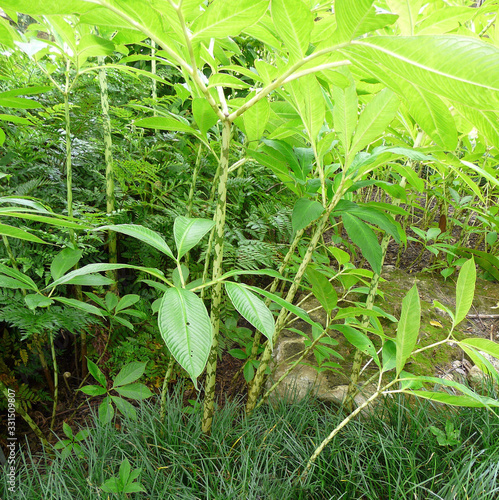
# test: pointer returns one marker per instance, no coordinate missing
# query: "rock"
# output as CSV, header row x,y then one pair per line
x,y
446,361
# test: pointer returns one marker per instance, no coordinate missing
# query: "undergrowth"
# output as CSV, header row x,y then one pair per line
x,y
392,453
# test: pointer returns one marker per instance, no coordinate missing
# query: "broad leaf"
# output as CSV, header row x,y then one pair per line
x,y
189,232
462,69
293,22
78,304
359,340
129,373
64,261
485,345
15,232
251,308
322,289
305,212
408,327
350,17
19,276
255,120
126,301
167,123
34,300
465,290
134,391
365,238
186,329
374,119
125,407
228,18
143,234
203,114
96,373
345,113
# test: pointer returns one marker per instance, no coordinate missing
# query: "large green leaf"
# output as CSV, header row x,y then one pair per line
x,y
34,7
93,46
143,234
432,115
228,18
365,238
359,340
293,22
203,114
465,289
309,102
64,261
345,113
129,373
15,232
322,289
462,69
487,122
485,345
408,327
186,329
350,16
251,308
407,10
305,211
97,268
374,119
78,304
166,123
297,311
19,276
188,233
255,120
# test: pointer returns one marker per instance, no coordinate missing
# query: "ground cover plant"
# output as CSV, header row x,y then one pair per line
x,y
271,148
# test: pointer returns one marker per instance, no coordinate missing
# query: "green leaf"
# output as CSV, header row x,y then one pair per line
x,y
408,327
129,373
365,238
143,234
126,301
15,232
33,7
345,113
93,46
34,300
64,261
485,345
134,391
485,121
167,123
251,308
227,18
125,407
186,329
293,22
407,12
19,276
305,212
309,101
349,18
96,373
90,280
203,114
465,290
93,390
374,119
78,304
389,354
359,340
297,311
189,232
106,411
322,289
462,69
256,119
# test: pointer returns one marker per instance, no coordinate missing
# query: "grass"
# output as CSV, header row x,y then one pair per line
x,y
388,454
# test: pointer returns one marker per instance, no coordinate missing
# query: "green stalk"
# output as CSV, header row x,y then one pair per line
x,y
257,385
69,168
56,380
357,360
108,157
216,297
195,173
